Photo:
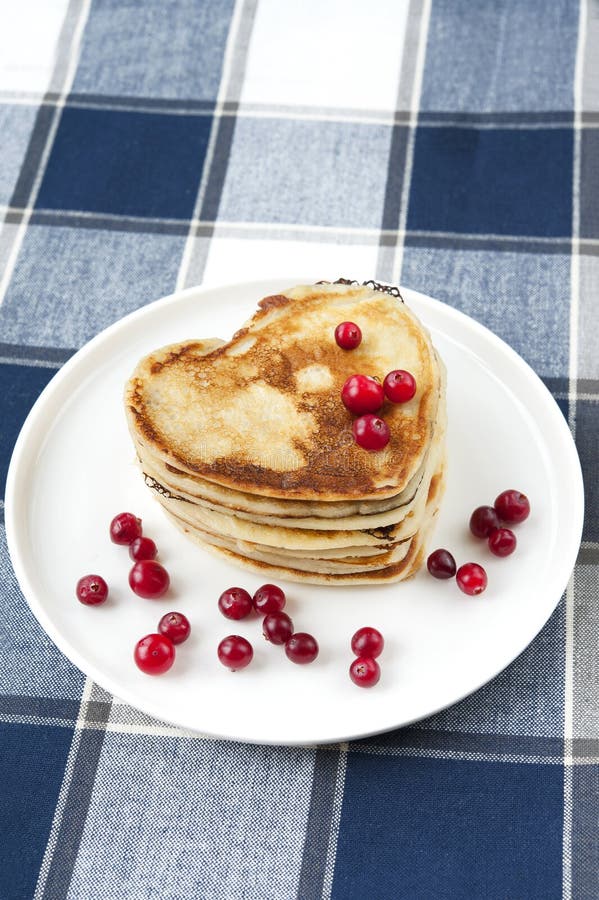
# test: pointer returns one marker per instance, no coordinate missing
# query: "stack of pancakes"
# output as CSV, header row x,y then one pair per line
x,y
249,449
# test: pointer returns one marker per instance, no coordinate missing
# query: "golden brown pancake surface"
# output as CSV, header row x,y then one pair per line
x,y
263,413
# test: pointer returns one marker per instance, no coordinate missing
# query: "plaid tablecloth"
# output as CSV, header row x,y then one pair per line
x,y
452,146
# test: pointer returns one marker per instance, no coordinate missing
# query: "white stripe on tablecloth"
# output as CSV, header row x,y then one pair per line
x,y
335,821
229,59
412,128
300,113
475,755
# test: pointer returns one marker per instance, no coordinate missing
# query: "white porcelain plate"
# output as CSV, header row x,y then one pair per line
x,y
73,469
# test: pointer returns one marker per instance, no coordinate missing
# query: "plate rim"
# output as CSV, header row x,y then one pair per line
x,y
254,287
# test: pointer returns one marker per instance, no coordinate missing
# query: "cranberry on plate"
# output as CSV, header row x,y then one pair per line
x,y
142,548
512,506
502,541
277,627
235,652
441,564
91,590
175,626
301,648
149,579
483,521
235,603
471,579
124,528
269,599
154,654
365,671
367,641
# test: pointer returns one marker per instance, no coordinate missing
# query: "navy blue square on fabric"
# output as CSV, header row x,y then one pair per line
x,y
20,387
449,829
126,163
480,181
31,768
585,846
589,178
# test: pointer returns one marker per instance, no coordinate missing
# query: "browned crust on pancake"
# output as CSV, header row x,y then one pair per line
x,y
434,487
173,356
273,301
334,465
381,532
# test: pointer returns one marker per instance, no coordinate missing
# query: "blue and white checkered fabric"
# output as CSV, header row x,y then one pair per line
x,y
449,145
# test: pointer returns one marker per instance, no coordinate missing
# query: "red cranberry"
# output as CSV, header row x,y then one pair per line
x,y
502,542
235,652
362,394
471,579
277,627
441,564
154,654
149,579
235,603
399,386
175,626
370,432
483,520
512,506
91,590
142,548
348,335
301,648
124,528
367,642
269,599
365,671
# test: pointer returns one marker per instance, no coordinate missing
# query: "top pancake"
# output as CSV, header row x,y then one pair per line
x,y
263,413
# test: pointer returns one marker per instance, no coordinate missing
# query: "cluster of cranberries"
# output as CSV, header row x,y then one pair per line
x,y
367,644
364,395
485,522
235,652
147,578
471,578
154,653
